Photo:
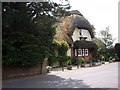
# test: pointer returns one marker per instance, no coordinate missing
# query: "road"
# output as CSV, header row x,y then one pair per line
x,y
104,76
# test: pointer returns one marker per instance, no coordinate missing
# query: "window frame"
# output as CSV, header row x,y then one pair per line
x,y
80,52
86,52
76,52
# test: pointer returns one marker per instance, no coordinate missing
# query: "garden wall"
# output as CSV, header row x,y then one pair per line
x,y
12,72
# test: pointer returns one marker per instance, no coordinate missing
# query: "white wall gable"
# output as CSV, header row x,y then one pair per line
x,y
85,33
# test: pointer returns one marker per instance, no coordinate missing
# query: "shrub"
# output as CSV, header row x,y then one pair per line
x,y
69,60
110,58
82,61
103,58
75,60
117,50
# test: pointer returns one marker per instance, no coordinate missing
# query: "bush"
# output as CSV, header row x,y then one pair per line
x,y
117,50
62,59
75,61
26,40
69,62
110,58
103,58
82,61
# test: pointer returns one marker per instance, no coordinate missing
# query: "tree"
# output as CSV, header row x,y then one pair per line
x,y
93,28
99,43
106,37
28,32
108,40
61,47
117,50
101,47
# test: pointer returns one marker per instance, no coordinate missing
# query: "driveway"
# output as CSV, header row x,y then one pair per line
x,y
104,76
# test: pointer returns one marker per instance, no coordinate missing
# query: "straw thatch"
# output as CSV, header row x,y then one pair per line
x,y
67,25
85,44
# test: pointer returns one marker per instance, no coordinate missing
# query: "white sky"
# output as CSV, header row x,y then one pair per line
x,y
100,13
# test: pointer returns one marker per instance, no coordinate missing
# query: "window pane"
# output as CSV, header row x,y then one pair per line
x,y
82,52
75,52
79,52
86,52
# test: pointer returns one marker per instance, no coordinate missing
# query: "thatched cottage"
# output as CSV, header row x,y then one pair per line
x,y
78,33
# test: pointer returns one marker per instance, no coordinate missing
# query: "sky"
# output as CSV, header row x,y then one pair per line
x,y
100,13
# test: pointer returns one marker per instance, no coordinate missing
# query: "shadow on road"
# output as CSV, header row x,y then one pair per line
x,y
49,81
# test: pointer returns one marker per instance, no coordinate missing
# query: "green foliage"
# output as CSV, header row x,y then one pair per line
x,y
117,49
110,58
55,44
62,59
61,46
103,58
28,32
85,44
69,60
75,60
106,37
52,58
93,30
110,52
100,44
94,60
82,61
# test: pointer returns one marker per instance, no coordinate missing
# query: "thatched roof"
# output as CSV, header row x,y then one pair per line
x,y
75,12
67,25
81,23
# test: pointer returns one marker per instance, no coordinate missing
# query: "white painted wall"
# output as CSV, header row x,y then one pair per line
x,y
76,34
69,52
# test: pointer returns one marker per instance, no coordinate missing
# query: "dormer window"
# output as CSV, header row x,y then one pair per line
x,y
83,34
80,32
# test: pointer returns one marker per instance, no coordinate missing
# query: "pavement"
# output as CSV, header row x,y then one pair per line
x,y
104,76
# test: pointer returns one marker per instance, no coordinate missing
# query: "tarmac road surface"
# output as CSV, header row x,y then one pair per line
x,y
104,76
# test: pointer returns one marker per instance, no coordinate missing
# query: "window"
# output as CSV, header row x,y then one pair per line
x,y
83,52
75,52
86,52
80,32
79,52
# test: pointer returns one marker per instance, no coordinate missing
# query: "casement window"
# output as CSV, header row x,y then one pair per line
x,y
75,52
83,52
80,52
86,52
80,32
